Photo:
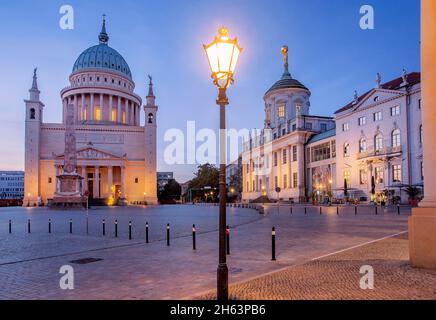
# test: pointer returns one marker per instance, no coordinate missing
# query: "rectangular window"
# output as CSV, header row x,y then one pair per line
x,y
97,114
285,181
321,152
124,117
378,116
345,126
284,132
308,126
49,180
275,159
295,179
363,176
294,153
114,115
362,121
281,111
284,152
247,187
395,111
396,173
136,180
294,127
323,126
379,175
333,149
253,186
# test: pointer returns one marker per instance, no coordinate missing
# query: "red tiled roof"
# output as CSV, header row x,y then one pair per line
x,y
412,78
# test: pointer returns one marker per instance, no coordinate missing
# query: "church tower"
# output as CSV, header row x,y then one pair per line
x,y
150,129
34,118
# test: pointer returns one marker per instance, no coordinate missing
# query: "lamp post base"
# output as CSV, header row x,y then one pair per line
x,y
222,282
422,238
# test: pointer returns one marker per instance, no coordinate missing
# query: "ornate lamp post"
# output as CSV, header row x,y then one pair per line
x,y
223,54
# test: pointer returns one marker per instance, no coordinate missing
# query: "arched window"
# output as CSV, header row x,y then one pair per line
x,y
346,149
396,138
378,142
32,113
150,118
362,145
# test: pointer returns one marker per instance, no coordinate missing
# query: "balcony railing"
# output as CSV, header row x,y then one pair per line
x,y
385,151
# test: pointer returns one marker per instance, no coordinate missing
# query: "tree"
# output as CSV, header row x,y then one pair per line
x,y
171,191
207,176
413,192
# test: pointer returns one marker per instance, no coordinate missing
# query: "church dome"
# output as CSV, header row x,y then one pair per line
x,y
102,57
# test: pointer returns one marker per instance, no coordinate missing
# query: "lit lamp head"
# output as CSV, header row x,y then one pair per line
x,y
223,54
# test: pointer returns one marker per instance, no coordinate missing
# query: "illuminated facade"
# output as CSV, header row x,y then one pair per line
x,y
116,155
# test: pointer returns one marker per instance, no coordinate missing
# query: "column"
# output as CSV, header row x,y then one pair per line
x,y
109,180
96,190
123,182
120,115
101,107
127,112
76,108
85,179
82,109
91,107
301,173
110,109
422,223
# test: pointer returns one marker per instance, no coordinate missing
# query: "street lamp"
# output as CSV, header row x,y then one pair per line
x,y
223,54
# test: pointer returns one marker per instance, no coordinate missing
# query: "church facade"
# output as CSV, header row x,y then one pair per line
x,y
116,155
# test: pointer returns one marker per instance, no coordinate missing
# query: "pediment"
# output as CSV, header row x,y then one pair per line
x,y
91,153
377,96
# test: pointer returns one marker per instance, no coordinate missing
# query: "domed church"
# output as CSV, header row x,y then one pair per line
x,y
115,155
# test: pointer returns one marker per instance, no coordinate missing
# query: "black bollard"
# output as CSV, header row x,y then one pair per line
x,y
103,225
116,228
28,226
355,210
10,226
228,240
320,210
290,209
49,225
146,232
376,210
168,234
194,231
130,230
398,210
305,210
273,244
71,226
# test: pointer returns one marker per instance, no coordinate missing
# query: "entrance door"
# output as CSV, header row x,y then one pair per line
x,y
90,189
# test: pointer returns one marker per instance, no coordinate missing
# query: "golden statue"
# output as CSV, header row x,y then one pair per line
x,y
286,58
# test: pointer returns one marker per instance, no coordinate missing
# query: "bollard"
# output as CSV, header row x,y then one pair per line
x,y
10,226
116,228
103,225
273,244
376,210
130,230
305,210
355,210
337,210
28,226
146,232
49,225
398,210
168,235
194,231
290,210
320,210
71,226
228,240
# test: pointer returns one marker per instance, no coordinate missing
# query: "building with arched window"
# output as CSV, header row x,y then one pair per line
x,y
116,155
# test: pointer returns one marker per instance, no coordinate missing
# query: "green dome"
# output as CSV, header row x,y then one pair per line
x,y
102,57
287,82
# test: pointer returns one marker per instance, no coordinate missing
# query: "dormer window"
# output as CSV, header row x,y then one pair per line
x,y
376,98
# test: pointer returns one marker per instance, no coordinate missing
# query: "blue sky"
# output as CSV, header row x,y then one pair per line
x,y
328,52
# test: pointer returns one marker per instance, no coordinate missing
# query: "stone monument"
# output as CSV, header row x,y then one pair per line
x,y
68,194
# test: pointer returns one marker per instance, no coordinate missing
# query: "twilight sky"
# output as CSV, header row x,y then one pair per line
x,y
328,52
